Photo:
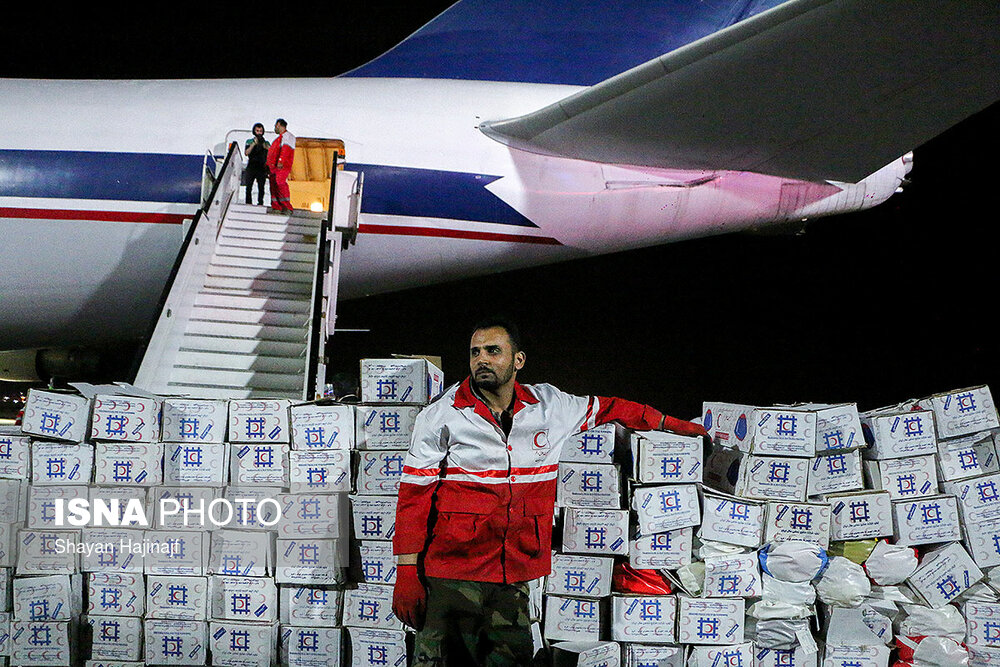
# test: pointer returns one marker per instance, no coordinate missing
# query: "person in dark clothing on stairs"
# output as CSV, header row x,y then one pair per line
x,y
256,171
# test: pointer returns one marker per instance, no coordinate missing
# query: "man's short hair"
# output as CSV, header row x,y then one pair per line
x,y
281,122
500,322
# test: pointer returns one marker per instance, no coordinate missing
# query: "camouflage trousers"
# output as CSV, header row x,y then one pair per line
x,y
475,623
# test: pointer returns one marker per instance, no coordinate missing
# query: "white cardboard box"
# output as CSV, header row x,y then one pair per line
x,y
783,431
579,576
968,456
400,381
195,464
374,517
48,551
326,471
42,504
15,455
732,576
732,520
194,420
835,473
666,507
666,458
125,418
773,657
258,421
906,478
983,540
116,637
313,515
982,623
739,654
662,551
311,606
40,643
639,655
310,561
253,599
595,445
370,606
193,505
926,520
773,478
56,415
312,646
586,654
712,621
375,563
61,463
56,597
728,424
125,495
962,412
894,433
384,426
595,532
588,485
174,642
649,619
110,594
322,427
979,498
374,647
176,553
379,472
574,619
944,574
856,656
178,598
240,553
808,522
243,644
263,464
128,464
838,427
860,516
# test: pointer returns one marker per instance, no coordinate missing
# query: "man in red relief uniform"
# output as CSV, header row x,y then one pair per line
x,y
280,156
474,516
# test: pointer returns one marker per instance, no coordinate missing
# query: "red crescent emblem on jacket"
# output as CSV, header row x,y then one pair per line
x,y
541,440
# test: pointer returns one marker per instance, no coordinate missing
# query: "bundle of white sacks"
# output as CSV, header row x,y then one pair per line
x,y
805,535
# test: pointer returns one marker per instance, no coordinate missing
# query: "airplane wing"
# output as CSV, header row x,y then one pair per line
x,y
811,89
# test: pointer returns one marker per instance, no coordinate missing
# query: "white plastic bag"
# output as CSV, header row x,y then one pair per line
x,y
843,584
940,652
946,621
890,564
794,560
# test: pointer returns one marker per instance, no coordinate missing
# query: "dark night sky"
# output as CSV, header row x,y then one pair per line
x,y
873,307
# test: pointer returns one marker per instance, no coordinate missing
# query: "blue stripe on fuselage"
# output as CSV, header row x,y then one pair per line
x,y
139,177
155,177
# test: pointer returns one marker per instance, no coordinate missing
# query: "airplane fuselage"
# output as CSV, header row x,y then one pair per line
x,y
99,175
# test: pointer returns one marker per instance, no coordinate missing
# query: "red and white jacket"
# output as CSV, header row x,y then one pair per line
x,y
479,504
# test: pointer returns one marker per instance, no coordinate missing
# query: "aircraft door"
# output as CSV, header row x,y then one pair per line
x,y
309,181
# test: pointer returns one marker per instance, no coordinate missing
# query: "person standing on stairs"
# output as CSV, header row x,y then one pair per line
x,y
256,152
280,156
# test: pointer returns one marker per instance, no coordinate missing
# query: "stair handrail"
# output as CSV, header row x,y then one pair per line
x,y
155,329
316,348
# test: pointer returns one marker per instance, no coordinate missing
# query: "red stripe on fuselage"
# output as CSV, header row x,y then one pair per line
x,y
401,230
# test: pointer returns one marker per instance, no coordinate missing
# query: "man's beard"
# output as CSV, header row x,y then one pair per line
x,y
490,380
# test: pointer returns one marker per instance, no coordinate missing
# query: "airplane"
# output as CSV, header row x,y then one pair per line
x,y
498,136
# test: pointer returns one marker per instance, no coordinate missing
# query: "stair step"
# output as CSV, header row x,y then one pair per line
x,y
301,277
200,343
241,362
259,285
267,254
247,235
274,245
243,316
296,266
226,378
198,391
272,223
248,331
254,301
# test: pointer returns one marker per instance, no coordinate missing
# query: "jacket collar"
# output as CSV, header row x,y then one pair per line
x,y
465,397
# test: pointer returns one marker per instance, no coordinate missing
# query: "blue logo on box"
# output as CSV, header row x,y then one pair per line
x,y
41,635
708,628
660,542
389,422
912,427
650,610
110,631
308,554
308,640
948,587
670,501
50,422
378,654
386,389
931,513
860,512
240,603
239,640
177,595
988,492
575,581
670,467
595,538
787,425
966,402
778,472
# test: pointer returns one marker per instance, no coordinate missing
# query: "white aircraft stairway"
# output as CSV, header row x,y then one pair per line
x,y
253,298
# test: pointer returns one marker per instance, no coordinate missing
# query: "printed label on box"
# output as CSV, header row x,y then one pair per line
x,y
110,594
783,432
384,426
125,419
968,456
732,520
117,550
310,561
171,642
310,606
944,574
737,575
962,412
372,647
860,516
374,517
926,520
56,416
400,381
256,421
595,532
595,445
244,599
379,472
588,485
728,424
579,576
666,458
667,507
322,427
370,606
128,464
573,619
115,637
263,464
773,478
643,618
197,464
15,455
710,620
180,598
896,434
911,477
662,551
320,471
982,623
56,463
835,473
192,420
808,522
